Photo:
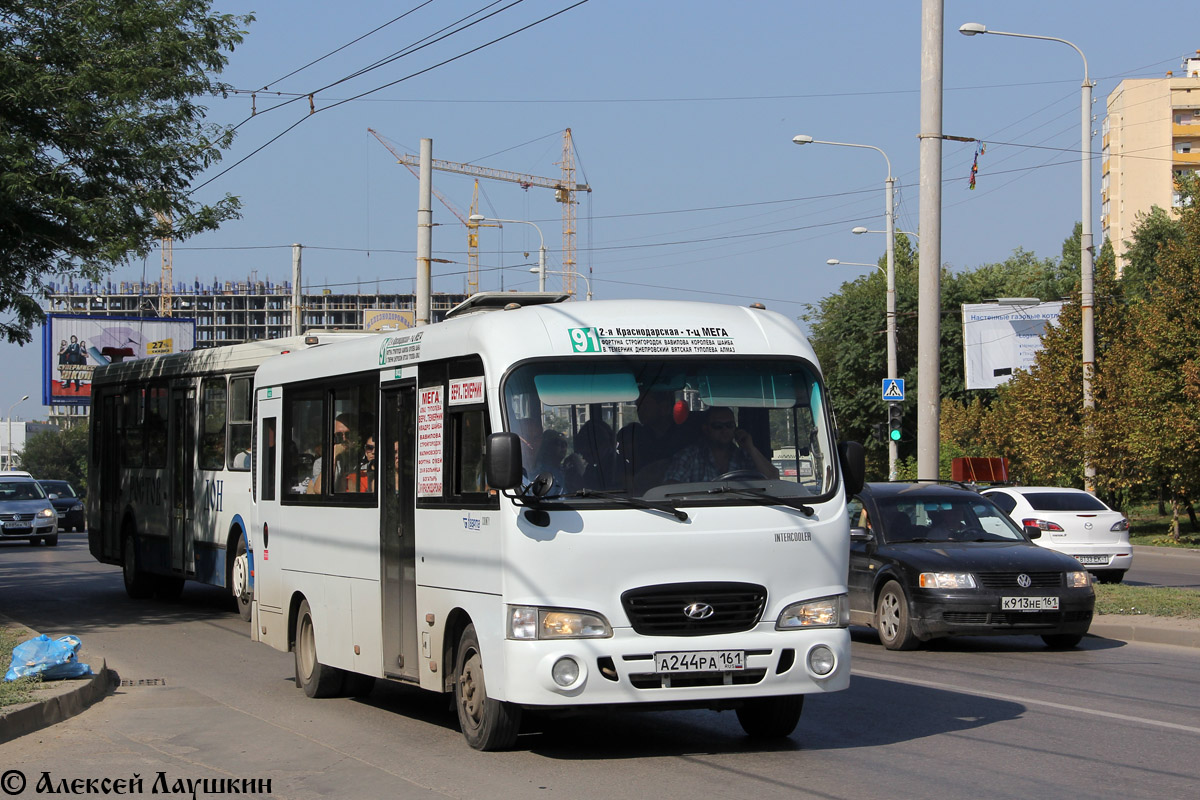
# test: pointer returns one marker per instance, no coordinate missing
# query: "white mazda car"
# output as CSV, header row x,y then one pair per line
x,y
1074,522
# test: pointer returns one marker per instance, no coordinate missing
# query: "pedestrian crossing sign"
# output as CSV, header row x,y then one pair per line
x,y
893,389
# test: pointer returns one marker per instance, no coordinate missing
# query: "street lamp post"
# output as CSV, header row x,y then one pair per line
x,y
541,267
10,439
1086,287
580,275
890,220
861,230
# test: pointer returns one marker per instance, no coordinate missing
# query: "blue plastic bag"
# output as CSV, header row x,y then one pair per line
x,y
53,659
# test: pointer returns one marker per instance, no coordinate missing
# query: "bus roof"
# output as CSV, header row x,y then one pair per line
x,y
576,329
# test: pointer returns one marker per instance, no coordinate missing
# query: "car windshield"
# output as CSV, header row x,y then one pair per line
x,y
674,430
20,490
1063,501
60,488
944,519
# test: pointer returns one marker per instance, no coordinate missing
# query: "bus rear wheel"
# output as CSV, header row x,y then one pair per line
x,y
315,678
487,724
138,584
238,579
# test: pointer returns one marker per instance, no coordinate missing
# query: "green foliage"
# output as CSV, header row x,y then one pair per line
x,y
58,455
99,131
1156,601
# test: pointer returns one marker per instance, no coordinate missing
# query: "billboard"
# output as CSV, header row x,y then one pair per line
x,y
388,319
73,346
1000,338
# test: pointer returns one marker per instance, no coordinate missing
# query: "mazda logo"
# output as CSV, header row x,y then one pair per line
x,y
698,611
1024,581
1087,526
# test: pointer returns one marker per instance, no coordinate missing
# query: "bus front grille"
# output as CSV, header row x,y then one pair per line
x,y
694,609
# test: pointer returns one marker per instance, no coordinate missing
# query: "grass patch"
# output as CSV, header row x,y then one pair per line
x,y
18,691
1153,601
1148,527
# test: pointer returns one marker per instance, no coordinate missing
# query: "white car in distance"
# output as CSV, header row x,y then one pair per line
x,y
1074,522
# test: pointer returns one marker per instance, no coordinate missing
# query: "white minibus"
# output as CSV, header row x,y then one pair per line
x,y
550,505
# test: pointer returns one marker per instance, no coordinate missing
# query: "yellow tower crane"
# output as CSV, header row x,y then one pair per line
x,y
565,188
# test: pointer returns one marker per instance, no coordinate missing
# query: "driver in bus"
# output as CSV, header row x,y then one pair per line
x,y
723,448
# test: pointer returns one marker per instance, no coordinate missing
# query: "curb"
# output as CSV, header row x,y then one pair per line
x,y
1162,630
56,703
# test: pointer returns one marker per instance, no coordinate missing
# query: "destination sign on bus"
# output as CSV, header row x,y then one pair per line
x,y
644,340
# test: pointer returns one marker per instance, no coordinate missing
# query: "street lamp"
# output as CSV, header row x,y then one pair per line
x,y
541,267
10,439
833,262
570,272
890,219
1086,289
861,230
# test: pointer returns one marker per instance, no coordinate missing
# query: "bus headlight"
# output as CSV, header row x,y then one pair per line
x,y
824,612
532,622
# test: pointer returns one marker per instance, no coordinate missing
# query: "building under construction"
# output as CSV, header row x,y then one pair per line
x,y
232,312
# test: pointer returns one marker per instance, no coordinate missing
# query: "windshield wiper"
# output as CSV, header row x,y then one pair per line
x,y
633,502
755,493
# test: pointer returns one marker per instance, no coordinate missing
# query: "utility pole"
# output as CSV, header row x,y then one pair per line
x,y
425,234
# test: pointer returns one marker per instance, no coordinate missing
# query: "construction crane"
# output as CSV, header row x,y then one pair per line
x,y
168,253
565,188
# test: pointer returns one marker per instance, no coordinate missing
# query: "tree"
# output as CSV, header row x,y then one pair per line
x,y
99,133
59,455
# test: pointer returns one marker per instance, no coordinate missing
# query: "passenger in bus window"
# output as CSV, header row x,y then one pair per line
x,y
596,444
655,436
363,478
343,436
724,447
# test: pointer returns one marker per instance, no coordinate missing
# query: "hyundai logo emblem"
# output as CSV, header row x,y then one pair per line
x,y
1024,581
698,611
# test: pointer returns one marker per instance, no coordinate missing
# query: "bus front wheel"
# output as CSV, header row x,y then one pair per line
x,y
771,717
238,579
138,584
315,678
486,723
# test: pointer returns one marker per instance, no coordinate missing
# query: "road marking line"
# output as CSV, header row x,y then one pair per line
x,y
1027,701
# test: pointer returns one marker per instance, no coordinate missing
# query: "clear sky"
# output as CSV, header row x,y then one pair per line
x,y
682,113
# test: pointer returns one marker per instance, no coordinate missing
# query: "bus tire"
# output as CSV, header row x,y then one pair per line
x,y
238,579
770,717
138,584
315,678
487,724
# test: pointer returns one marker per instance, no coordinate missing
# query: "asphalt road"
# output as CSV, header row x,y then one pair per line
x,y
1164,566
995,718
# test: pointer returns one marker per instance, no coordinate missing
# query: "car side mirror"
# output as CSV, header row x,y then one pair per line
x,y
1033,532
861,535
52,496
502,463
854,466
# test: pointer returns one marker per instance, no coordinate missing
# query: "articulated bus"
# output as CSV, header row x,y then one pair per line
x,y
554,506
169,460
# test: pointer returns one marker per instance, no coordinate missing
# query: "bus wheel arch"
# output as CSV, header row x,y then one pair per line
x,y
315,678
456,622
486,723
237,570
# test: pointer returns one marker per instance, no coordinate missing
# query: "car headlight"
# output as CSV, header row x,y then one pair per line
x,y
947,580
824,612
77,507
532,622
1078,580
47,512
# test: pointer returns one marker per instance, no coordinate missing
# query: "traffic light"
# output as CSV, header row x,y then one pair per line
x,y
879,432
895,418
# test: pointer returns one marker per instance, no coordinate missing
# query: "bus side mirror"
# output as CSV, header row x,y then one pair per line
x,y
503,461
854,466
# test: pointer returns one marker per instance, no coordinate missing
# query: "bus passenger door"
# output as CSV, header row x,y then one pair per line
x,y
398,542
182,448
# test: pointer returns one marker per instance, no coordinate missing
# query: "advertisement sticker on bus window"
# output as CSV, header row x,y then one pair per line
x,y
648,339
400,348
465,391
430,417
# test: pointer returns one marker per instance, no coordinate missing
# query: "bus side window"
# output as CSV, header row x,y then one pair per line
x,y
156,426
212,421
267,459
469,434
131,427
241,421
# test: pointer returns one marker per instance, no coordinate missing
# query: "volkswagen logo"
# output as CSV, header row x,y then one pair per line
x,y
1024,581
698,611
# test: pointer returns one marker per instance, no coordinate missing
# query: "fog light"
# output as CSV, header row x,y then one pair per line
x,y
565,671
821,660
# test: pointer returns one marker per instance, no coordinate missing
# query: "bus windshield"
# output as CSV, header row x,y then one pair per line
x,y
679,429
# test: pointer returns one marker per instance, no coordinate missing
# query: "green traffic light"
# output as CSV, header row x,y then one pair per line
x,y
895,434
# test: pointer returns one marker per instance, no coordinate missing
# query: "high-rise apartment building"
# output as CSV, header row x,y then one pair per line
x,y
1151,133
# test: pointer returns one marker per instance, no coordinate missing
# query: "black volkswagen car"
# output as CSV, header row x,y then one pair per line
x,y
930,560
67,503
